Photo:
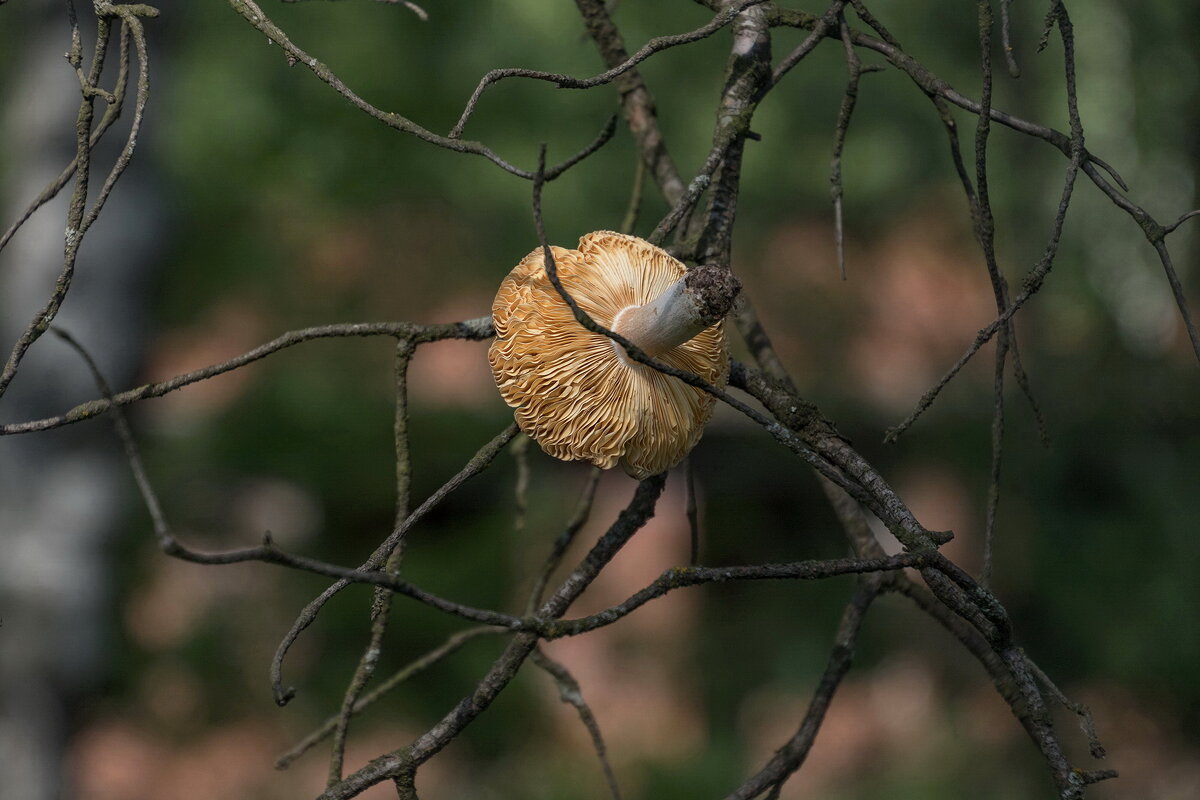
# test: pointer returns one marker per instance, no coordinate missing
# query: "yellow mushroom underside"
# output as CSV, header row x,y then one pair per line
x,y
571,390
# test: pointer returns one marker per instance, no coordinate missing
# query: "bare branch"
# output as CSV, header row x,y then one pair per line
x,y
479,462
691,512
111,114
1070,145
250,11
381,605
635,515
955,599
473,329
413,668
1006,40
791,755
655,45
855,69
75,213
1086,722
569,691
680,577
583,510
636,100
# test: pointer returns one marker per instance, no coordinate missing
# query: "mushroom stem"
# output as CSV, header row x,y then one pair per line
x,y
698,300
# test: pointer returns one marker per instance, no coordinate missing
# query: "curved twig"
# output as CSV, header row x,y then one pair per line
x,y
655,45
681,577
474,329
371,566
413,668
250,11
111,114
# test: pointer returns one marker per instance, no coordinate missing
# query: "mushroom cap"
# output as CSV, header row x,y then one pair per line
x,y
577,393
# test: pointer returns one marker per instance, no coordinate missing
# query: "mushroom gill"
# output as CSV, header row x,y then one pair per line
x,y
577,393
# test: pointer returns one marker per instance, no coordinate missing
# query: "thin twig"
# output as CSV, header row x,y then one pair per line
x,y
268,552
1034,279
520,453
1184,218
131,20
748,79
655,45
824,25
1006,40
251,12
636,100
413,668
570,693
629,521
382,601
76,209
629,221
985,233
479,462
583,510
472,329
79,221
1032,283
1069,145
111,114
791,755
693,518
1086,722
855,69
683,577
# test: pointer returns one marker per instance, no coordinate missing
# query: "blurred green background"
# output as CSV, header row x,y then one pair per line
x,y
290,208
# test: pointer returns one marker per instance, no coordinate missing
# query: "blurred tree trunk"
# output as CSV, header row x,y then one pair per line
x,y
61,496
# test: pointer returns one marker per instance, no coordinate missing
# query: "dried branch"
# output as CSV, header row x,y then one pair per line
x,y
655,45
479,462
1006,40
985,233
975,635
583,510
1086,722
680,577
269,553
1069,145
409,758
747,79
999,285
116,102
856,70
79,218
250,11
570,693
472,329
691,512
1034,279
1182,219
636,100
75,212
381,605
821,27
413,668
791,755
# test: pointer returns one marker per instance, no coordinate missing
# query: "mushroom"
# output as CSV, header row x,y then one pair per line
x,y
577,393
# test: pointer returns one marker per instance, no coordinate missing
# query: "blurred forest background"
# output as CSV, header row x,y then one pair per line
x,y
259,201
